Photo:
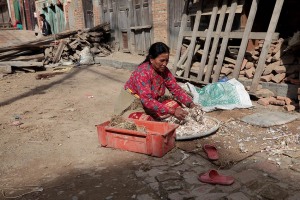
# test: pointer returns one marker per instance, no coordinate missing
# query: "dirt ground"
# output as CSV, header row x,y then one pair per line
x,y
54,153
57,147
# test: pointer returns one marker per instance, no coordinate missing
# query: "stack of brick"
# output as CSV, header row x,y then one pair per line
x,y
286,102
280,66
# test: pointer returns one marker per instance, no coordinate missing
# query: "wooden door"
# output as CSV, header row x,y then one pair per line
x,y
175,10
88,13
108,11
131,24
140,25
4,14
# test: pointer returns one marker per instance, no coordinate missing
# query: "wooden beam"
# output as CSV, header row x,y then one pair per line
x,y
59,51
262,58
208,40
244,43
22,64
141,27
193,42
215,44
180,35
183,57
38,42
225,41
39,57
233,35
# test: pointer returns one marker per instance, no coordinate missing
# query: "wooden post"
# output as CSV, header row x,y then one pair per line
x,y
143,30
193,42
262,58
180,35
207,40
245,39
225,40
215,42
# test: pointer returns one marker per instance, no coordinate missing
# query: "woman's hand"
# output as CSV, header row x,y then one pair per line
x,y
180,113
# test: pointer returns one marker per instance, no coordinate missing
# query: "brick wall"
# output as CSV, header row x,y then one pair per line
x,y
160,20
66,14
78,14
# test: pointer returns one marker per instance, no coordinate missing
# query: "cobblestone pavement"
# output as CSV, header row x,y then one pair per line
x,y
175,177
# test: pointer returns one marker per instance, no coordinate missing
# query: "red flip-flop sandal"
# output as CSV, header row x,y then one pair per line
x,y
213,177
211,152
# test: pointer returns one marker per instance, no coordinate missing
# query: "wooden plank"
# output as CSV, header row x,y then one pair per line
x,y
22,63
208,40
41,41
59,51
234,35
262,58
245,39
225,41
130,23
115,25
144,48
227,59
39,57
193,42
183,57
180,35
141,27
215,44
151,21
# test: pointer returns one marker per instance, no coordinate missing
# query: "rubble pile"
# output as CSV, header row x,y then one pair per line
x,y
60,48
70,49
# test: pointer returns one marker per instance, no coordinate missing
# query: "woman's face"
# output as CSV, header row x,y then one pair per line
x,y
160,62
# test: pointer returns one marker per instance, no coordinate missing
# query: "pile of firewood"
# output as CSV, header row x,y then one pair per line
x,y
62,47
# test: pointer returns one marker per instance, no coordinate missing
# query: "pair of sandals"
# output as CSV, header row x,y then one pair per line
x,y
213,176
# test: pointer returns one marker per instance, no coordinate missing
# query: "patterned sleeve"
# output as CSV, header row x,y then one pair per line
x,y
144,87
176,90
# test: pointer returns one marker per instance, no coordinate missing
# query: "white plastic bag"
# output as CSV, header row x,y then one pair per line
x,y
221,95
86,57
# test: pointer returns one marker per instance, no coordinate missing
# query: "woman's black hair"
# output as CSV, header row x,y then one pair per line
x,y
155,50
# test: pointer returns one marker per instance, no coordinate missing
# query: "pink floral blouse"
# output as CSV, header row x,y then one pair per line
x,y
150,85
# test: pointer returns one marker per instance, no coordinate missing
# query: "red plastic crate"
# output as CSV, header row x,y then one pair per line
x,y
159,139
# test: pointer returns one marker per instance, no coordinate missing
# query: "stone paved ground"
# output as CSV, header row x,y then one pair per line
x,y
172,178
